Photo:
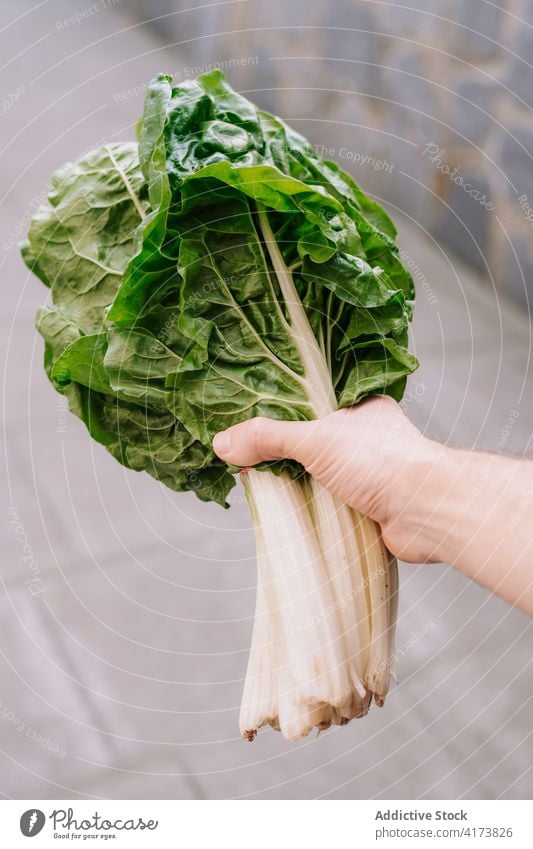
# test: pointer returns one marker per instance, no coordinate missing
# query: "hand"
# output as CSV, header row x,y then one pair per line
x,y
472,510
369,456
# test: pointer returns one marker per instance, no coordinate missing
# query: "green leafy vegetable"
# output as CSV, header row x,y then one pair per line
x,y
217,271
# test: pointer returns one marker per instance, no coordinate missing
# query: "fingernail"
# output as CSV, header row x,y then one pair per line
x,y
222,443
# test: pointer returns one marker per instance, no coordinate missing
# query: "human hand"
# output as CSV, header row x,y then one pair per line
x,y
370,456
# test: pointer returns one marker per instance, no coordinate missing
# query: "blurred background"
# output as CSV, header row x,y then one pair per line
x,y
125,609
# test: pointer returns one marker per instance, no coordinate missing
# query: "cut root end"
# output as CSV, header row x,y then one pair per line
x,y
318,716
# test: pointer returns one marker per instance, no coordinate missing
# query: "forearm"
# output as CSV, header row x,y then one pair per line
x,y
475,511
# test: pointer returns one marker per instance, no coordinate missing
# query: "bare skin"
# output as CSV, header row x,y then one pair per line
x,y
433,503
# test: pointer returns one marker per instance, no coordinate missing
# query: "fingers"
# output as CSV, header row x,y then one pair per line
x,y
255,440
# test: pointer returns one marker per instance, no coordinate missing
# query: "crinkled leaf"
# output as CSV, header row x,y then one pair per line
x,y
79,244
381,367
174,284
81,238
225,160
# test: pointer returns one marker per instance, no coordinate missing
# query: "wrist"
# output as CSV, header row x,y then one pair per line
x,y
422,504
447,500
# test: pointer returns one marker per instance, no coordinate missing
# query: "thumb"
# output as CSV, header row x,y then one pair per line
x,y
258,439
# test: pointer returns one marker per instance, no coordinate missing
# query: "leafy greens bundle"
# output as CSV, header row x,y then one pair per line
x,y
217,271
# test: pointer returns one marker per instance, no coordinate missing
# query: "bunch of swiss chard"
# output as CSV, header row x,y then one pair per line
x,y
215,271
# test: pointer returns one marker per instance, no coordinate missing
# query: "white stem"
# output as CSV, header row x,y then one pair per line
x,y
323,636
342,558
393,612
313,650
311,668
376,559
321,394
260,696
314,640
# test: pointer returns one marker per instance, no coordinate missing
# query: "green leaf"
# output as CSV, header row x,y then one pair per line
x,y
81,239
82,362
381,367
228,272
114,380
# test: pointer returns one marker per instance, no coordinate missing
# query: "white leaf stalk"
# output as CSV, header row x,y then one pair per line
x,y
323,637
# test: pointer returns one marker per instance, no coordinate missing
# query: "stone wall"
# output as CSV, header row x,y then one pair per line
x,y
429,107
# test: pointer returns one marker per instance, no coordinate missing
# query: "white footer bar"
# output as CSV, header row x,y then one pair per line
x,y
267,824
